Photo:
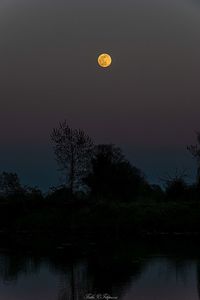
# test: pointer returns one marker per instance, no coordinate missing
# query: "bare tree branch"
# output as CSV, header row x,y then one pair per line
x,y
73,149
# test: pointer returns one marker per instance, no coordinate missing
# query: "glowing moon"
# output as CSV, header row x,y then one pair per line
x,y
104,60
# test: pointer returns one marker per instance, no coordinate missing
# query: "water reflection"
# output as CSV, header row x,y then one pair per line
x,y
130,271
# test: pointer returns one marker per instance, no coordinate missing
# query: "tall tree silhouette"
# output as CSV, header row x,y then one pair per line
x,y
112,175
73,150
195,151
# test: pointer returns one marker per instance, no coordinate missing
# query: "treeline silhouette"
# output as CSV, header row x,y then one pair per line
x,y
102,194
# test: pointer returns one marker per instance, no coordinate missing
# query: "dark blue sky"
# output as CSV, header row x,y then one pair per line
x,y
148,102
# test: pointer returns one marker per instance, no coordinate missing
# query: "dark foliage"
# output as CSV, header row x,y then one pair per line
x,y
10,184
119,201
113,176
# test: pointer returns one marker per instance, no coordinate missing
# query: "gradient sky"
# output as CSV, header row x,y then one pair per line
x,y
148,102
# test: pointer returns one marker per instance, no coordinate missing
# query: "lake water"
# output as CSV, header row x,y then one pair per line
x,y
127,271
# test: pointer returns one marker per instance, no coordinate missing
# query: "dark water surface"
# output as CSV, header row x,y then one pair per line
x,y
142,270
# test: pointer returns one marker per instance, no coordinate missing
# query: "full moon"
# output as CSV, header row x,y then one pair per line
x,y
104,60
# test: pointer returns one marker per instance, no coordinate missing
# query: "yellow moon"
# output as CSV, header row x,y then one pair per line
x,y
104,60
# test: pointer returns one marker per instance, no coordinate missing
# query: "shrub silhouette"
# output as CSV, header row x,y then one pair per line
x,y
10,184
176,187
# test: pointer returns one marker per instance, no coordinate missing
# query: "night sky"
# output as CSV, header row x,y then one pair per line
x,y
147,102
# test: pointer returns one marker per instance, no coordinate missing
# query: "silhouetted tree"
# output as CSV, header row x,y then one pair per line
x,y
195,151
73,150
112,174
176,186
10,184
